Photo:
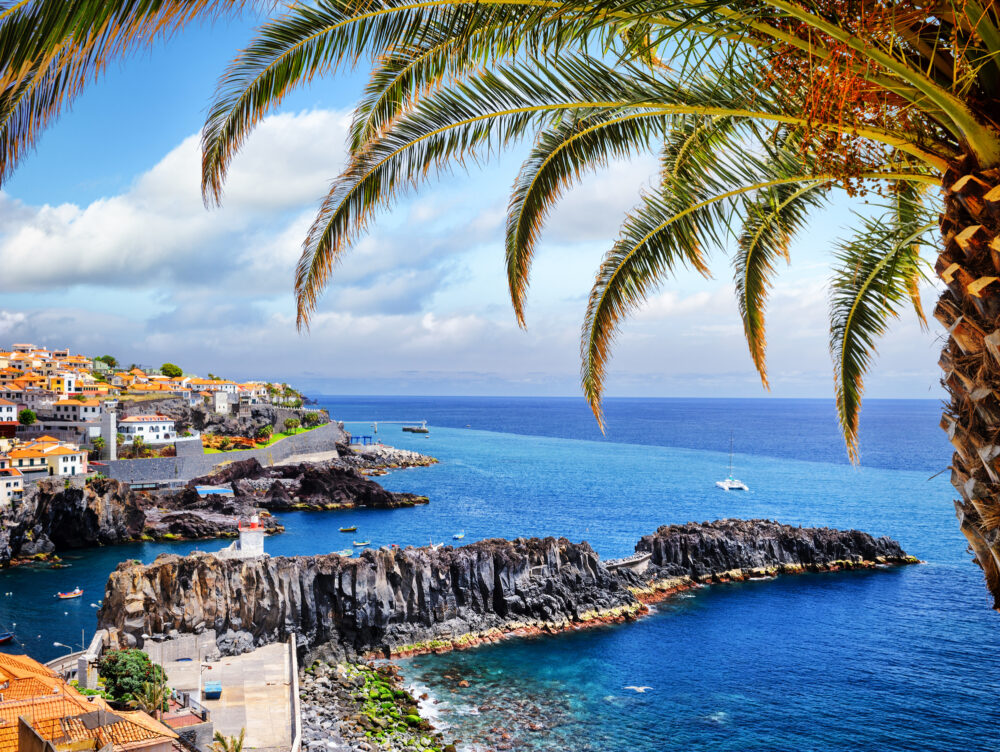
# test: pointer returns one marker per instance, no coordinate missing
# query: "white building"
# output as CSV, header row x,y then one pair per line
x,y
154,429
8,411
72,409
11,482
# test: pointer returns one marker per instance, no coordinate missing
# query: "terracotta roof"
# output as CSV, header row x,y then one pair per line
x,y
5,402
88,403
157,418
13,472
14,666
58,712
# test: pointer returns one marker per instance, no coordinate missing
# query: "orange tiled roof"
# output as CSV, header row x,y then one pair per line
x,y
88,403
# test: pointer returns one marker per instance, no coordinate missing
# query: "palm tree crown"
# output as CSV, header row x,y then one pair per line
x,y
855,95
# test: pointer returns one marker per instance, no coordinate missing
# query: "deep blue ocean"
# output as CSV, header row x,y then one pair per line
x,y
901,659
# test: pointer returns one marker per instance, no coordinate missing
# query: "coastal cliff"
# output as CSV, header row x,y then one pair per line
x,y
396,602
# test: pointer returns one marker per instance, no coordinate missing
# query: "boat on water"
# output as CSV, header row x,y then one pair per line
x,y
346,552
459,536
349,529
361,543
75,593
731,483
6,636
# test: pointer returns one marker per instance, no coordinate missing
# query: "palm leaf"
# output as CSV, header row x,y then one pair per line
x,y
873,276
52,48
770,219
583,141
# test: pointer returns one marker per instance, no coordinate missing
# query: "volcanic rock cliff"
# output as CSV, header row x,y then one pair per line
x,y
388,599
748,547
393,601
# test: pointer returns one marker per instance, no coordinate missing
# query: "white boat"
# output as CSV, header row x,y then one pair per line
x,y
730,483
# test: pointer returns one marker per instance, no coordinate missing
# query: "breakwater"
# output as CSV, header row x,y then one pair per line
x,y
394,602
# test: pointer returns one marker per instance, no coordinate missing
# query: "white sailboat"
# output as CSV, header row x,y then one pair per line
x,y
730,483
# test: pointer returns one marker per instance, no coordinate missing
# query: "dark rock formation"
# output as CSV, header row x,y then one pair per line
x,y
387,600
307,485
394,601
755,546
58,515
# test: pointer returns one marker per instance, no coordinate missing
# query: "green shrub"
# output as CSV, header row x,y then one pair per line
x,y
126,671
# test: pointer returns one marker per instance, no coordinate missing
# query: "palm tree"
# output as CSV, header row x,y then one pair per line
x,y
758,110
224,743
152,698
53,48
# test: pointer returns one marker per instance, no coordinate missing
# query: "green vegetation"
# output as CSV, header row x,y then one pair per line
x,y
389,713
223,743
111,360
291,425
89,692
151,697
27,417
125,672
310,419
274,439
171,371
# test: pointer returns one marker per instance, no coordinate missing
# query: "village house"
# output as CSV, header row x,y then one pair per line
x,y
46,456
152,429
39,712
73,409
11,483
8,419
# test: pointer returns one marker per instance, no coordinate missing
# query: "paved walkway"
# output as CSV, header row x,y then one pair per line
x,y
255,694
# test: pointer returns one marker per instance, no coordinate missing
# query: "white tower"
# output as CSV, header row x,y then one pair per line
x,y
109,429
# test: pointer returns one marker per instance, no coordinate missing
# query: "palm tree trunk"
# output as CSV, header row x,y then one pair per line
x,y
969,308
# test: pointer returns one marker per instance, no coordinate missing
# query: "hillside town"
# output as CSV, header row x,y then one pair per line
x,y
60,411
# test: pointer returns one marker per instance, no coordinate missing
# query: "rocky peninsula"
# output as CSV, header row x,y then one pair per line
x,y
392,602
71,513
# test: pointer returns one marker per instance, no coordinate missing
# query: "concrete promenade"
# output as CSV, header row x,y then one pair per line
x,y
256,691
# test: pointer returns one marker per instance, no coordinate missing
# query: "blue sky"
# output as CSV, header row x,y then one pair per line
x,y
105,246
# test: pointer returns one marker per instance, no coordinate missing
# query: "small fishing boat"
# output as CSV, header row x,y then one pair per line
x,y
349,529
459,536
6,636
75,593
346,552
361,543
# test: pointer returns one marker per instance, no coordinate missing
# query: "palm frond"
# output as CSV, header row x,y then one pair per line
x,y
51,49
873,276
771,217
581,142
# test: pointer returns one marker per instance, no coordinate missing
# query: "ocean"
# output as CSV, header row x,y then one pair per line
x,y
886,660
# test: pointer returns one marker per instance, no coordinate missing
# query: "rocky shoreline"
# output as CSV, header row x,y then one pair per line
x,y
391,602
61,514
362,708
336,483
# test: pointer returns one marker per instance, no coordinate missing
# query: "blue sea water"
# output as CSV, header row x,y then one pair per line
x,y
895,659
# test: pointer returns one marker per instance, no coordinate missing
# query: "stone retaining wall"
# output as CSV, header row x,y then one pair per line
x,y
183,469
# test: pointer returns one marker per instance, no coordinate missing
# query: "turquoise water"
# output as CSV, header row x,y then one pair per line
x,y
900,659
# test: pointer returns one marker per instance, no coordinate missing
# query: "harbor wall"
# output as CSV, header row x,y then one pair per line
x,y
180,469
